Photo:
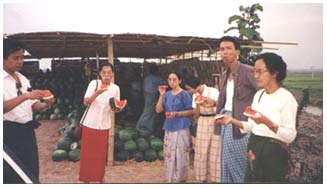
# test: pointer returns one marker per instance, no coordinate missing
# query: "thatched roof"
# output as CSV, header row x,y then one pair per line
x,y
74,44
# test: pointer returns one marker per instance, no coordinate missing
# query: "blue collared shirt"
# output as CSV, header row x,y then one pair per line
x,y
175,103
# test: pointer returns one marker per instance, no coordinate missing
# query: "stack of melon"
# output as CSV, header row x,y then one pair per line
x,y
68,146
68,89
137,144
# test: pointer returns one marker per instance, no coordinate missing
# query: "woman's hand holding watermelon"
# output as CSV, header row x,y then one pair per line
x,y
170,114
162,89
259,118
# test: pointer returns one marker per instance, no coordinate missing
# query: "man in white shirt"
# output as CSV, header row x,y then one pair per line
x,y
19,102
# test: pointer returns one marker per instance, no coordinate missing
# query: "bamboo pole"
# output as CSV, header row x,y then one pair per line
x,y
269,42
258,47
111,137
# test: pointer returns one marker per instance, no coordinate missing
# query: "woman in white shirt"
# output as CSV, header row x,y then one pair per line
x,y
96,124
207,144
273,127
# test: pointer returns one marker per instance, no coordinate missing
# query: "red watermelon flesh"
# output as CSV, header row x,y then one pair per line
x,y
168,114
199,99
116,104
120,104
47,94
249,111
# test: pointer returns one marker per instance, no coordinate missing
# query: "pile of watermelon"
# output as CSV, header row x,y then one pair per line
x,y
68,146
68,88
137,144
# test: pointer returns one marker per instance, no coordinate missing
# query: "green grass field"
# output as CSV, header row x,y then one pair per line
x,y
296,82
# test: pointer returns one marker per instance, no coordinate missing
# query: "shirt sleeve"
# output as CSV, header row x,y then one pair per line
x,y
193,101
187,100
90,89
247,126
214,94
117,96
287,128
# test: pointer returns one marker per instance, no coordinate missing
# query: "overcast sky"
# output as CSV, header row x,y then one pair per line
x,y
291,22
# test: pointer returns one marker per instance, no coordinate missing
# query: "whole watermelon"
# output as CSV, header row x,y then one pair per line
x,y
139,156
156,144
74,155
119,145
150,155
161,155
130,146
64,143
125,135
142,144
121,156
59,155
133,131
144,133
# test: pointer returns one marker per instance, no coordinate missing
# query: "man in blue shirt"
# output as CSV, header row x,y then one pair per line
x,y
150,85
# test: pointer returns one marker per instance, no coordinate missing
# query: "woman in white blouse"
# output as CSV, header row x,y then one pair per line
x,y
273,127
96,123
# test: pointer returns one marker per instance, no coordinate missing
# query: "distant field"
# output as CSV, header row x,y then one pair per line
x,y
296,82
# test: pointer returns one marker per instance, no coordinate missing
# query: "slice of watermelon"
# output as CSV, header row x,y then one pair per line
x,y
163,86
47,94
116,104
219,116
250,112
168,114
199,99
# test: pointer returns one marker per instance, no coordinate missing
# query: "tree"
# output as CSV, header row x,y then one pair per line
x,y
247,25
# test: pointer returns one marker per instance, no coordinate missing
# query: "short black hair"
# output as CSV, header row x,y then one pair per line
x,y
102,64
178,74
193,82
11,46
274,64
234,40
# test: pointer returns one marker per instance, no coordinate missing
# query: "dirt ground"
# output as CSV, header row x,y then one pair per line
x,y
67,171
309,138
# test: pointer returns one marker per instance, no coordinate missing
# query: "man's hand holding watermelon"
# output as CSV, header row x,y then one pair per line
x,y
48,98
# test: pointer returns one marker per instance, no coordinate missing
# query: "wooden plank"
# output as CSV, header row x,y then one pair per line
x,y
111,138
270,42
258,47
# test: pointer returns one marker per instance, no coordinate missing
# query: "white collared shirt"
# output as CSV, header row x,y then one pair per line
x,y
229,95
22,113
210,92
281,108
98,116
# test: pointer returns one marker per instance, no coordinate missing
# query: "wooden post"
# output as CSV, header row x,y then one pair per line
x,y
111,137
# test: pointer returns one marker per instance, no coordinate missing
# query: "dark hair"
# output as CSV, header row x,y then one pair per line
x,y
102,64
274,64
234,40
193,81
178,74
11,46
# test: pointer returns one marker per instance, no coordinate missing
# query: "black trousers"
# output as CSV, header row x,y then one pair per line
x,y
267,160
21,140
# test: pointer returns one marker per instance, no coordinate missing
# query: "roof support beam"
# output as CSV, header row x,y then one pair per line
x,y
111,138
